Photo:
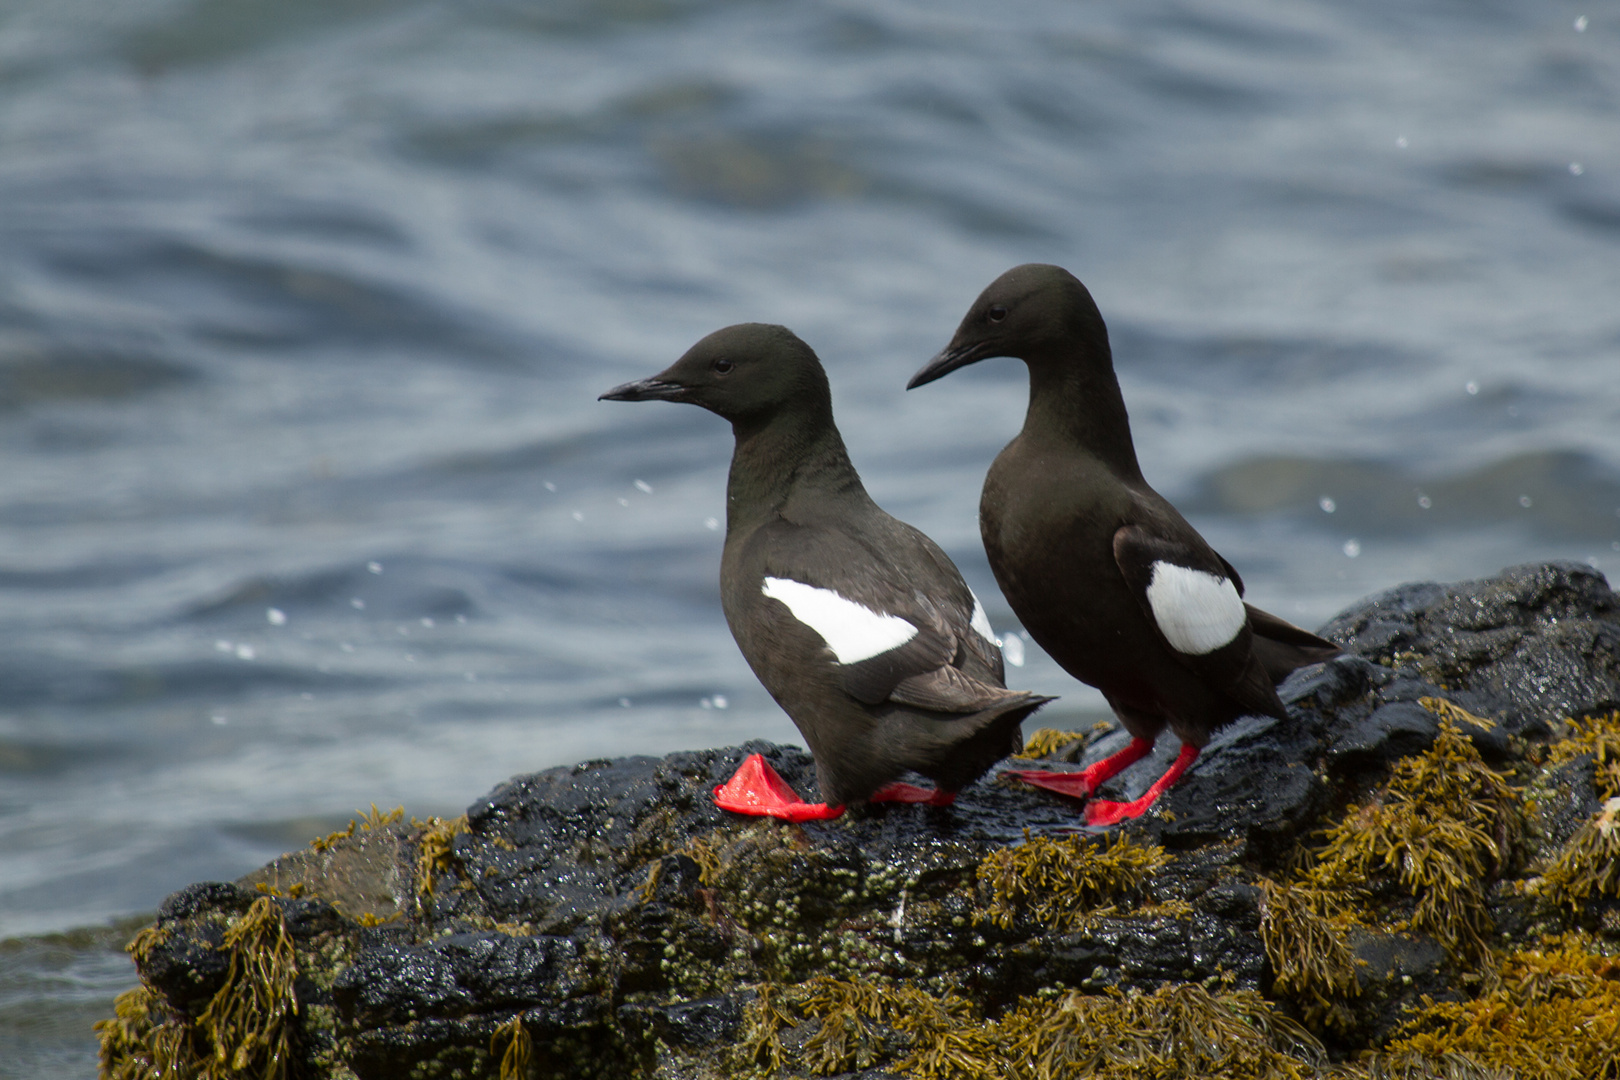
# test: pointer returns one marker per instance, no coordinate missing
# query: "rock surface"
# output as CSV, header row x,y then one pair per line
x,y
606,919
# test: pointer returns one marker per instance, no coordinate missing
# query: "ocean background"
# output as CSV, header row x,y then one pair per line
x,y
306,499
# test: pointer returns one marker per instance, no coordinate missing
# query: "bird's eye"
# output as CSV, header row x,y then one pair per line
x,y
997,312
722,366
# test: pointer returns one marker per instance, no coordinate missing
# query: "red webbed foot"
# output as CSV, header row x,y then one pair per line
x,y
911,793
757,790
1080,785
1103,813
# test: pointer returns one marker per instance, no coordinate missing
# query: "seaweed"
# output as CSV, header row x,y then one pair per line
x,y
246,1029
518,1056
371,819
1554,1013
1175,1031
1310,959
1598,736
1588,865
1059,882
1442,827
1045,742
437,853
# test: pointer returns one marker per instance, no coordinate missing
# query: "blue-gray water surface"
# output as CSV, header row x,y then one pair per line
x,y
306,499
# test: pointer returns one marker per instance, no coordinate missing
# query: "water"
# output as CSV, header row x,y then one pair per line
x,y
307,501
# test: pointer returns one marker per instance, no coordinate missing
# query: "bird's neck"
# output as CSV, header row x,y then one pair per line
x,y
781,461
1078,405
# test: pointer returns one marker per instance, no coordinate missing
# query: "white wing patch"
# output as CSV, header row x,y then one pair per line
x,y
1197,612
981,622
854,632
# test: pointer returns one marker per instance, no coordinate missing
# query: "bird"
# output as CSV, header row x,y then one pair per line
x,y
861,628
1102,571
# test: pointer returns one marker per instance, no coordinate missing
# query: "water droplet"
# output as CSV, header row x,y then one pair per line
x,y
706,703
578,515
1012,648
624,502
409,659
427,622
307,696
345,646
1576,168
1400,141
221,645
218,719
462,619
1327,505
1471,386
358,604
244,652
624,703
720,701
1352,548
1425,502
1580,24
374,566
275,616
549,486
1524,501
643,487
711,523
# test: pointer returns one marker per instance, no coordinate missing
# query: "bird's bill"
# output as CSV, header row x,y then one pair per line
x,y
653,389
950,358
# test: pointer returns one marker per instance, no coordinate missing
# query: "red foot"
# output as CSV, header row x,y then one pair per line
x,y
756,789
910,793
1080,785
1112,813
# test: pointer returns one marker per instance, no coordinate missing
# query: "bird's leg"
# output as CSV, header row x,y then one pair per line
x,y
1081,784
1112,813
756,789
911,793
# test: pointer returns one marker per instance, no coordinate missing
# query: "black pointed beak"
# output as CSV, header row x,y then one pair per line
x,y
950,358
653,389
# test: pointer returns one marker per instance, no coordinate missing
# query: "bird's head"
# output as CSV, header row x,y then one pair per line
x,y
744,373
1033,312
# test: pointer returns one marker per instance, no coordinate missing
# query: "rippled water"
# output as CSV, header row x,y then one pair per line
x,y
307,501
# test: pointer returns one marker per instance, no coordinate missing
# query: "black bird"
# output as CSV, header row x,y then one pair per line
x,y
859,625
1103,572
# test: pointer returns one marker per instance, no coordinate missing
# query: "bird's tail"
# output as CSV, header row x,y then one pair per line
x,y
1280,646
955,750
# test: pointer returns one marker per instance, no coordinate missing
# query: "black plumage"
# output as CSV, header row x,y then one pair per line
x,y
1103,572
858,624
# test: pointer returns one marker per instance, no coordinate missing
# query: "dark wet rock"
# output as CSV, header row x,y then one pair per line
x,y
1528,647
625,926
1388,732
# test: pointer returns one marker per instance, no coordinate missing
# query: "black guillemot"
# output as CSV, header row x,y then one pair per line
x,y
1103,572
859,625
